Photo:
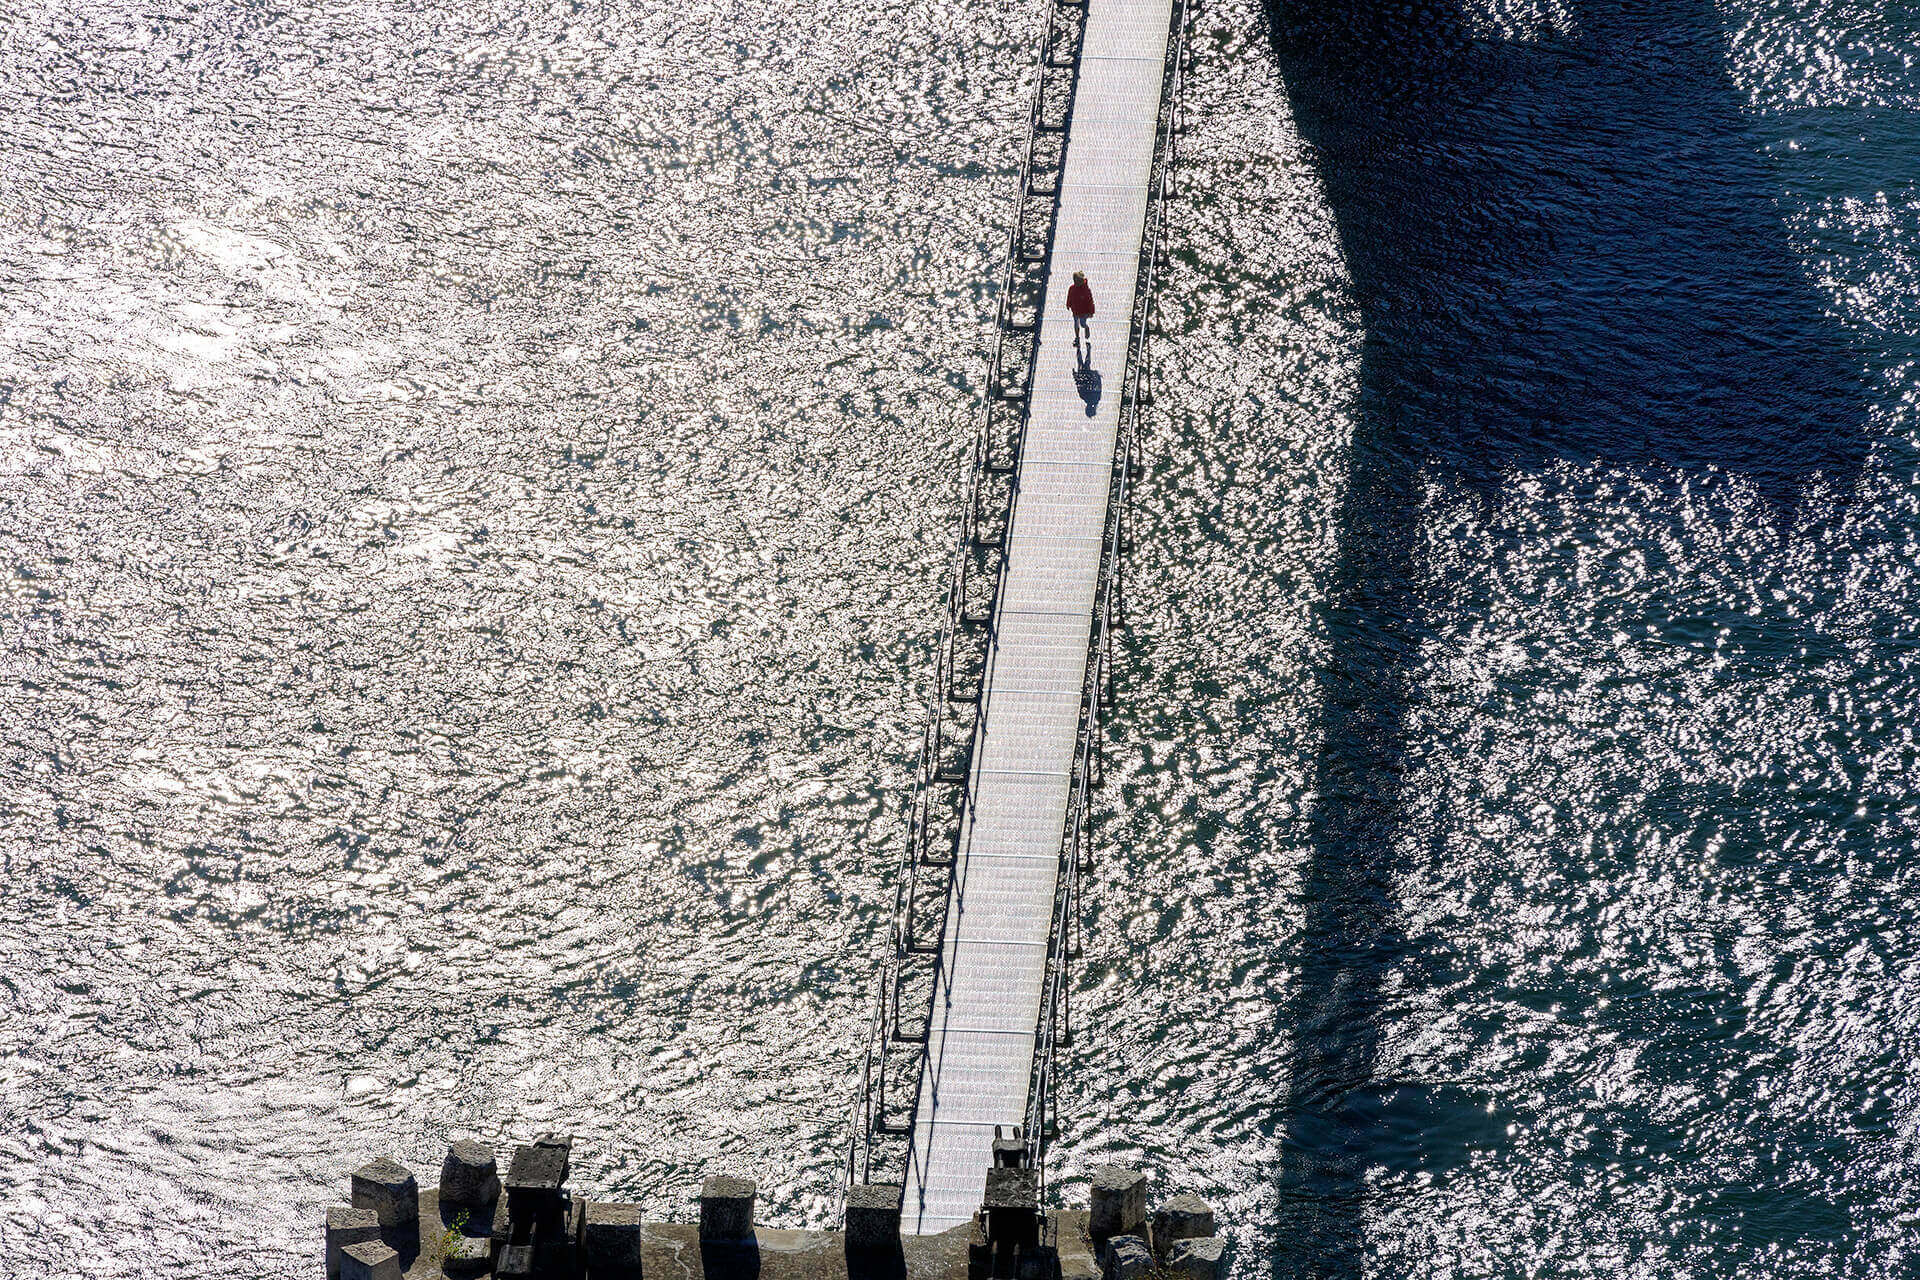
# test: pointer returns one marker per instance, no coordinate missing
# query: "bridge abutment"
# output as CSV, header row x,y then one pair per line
x,y
549,1233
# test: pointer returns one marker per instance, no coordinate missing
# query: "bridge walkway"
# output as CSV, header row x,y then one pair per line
x,y
992,971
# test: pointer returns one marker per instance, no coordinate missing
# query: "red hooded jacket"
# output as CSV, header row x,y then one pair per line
x,y
1080,299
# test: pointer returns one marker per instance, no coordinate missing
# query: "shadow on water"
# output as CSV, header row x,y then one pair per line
x,y
1563,248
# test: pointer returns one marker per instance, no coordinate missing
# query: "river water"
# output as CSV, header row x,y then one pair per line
x,y
477,484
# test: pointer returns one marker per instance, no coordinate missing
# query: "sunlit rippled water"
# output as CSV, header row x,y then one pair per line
x,y
477,484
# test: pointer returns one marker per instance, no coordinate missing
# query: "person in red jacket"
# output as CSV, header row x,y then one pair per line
x,y
1080,302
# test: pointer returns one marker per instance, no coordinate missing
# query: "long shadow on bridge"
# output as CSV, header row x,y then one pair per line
x,y
1564,249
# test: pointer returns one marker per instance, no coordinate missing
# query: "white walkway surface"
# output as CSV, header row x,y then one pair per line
x,y
986,1005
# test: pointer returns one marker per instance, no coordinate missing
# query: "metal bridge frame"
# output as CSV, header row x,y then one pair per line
x,y
892,1066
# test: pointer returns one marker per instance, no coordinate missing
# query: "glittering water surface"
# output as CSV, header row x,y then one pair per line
x,y
477,484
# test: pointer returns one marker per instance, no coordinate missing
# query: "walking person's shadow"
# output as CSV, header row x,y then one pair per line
x,y
1086,378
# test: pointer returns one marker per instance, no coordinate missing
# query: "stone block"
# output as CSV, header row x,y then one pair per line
x,y
1198,1258
347,1226
468,1177
467,1255
1181,1218
387,1187
369,1260
1041,1262
873,1217
1117,1204
726,1208
610,1241
1128,1258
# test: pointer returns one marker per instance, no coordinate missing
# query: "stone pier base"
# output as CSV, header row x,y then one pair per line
x,y
540,1231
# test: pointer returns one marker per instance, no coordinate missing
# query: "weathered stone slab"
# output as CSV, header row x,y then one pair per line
x,y
345,1226
387,1187
1078,1255
726,1208
369,1260
1201,1258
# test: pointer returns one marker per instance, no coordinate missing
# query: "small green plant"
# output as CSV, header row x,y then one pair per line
x,y
454,1231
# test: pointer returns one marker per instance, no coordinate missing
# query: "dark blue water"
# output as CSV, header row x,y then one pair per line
x,y
1569,259
474,490
1568,933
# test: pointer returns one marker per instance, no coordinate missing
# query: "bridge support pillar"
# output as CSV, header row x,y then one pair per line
x,y
1007,1241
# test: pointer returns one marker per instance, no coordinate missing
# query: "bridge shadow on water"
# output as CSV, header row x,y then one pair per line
x,y
1564,248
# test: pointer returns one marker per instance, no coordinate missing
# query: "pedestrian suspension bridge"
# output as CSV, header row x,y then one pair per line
x,y
973,1000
